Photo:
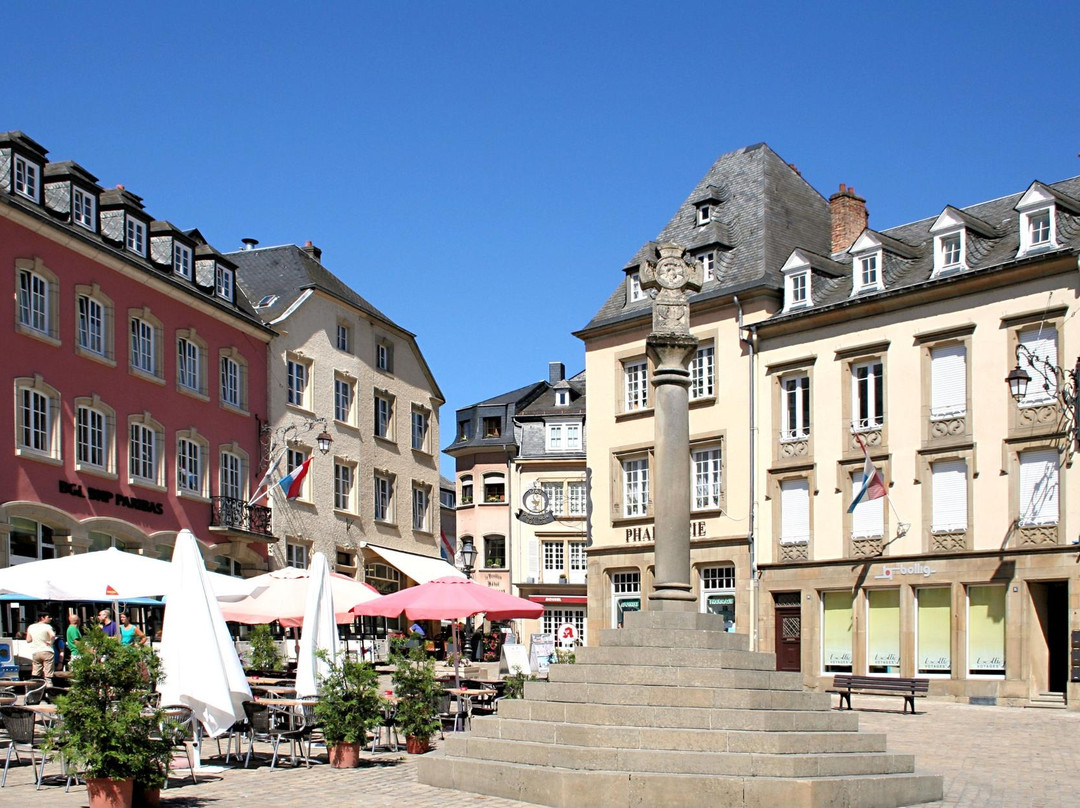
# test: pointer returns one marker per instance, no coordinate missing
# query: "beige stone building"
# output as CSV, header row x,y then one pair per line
x,y
339,365
899,340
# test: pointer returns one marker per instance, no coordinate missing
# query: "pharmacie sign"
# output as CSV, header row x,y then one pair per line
x,y
645,532
111,498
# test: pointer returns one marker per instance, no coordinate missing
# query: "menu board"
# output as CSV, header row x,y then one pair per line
x,y
541,650
514,659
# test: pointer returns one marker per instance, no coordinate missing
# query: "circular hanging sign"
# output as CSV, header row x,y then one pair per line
x,y
567,634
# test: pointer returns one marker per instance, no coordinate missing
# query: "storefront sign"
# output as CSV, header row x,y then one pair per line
x,y
639,534
108,497
541,650
493,580
567,635
624,605
918,568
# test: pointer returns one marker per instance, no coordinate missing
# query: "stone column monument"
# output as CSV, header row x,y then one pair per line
x,y
671,279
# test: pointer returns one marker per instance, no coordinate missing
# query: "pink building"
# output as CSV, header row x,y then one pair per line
x,y
137,374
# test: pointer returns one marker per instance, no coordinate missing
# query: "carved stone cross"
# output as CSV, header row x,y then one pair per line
x,y
674,276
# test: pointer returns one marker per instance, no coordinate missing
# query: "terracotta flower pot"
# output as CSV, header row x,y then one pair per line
x,y
417,746
345,755
108,793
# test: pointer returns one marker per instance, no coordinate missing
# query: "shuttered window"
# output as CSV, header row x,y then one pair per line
x,y
1042,343
795,511
950,496
948,381
1039,487
868,518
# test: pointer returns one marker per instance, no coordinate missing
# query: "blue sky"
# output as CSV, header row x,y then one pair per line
x,y
482,171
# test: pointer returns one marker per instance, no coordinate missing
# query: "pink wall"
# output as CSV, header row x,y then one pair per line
x,y
76,376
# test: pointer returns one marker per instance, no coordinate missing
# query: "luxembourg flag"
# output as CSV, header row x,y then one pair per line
x,y
447,549
292,482
873,486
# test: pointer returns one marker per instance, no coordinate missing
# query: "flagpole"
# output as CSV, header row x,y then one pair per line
x,y
901,526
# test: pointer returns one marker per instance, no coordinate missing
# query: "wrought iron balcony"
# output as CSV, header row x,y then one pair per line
x,y
235,514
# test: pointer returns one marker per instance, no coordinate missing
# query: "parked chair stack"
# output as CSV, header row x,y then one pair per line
x,y
673,710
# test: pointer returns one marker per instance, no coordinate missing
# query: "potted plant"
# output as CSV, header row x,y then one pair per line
x,y
106,728
349,705
264,651
418,693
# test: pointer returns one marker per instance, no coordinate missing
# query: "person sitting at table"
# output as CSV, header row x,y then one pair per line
x,y
73,635
129,632
40,636
106,622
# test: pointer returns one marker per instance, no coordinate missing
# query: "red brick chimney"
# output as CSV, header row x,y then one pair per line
x,y
849,217
313,251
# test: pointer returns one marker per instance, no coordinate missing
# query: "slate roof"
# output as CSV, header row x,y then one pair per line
x,y
544,404
287,271
766,209
914,268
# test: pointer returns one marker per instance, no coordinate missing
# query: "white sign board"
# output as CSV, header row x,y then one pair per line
x,y
567,635
514,658
541,649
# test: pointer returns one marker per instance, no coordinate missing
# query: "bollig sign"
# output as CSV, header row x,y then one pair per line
x,y
918,568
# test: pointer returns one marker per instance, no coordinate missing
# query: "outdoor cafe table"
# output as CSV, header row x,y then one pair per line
x,y
263,681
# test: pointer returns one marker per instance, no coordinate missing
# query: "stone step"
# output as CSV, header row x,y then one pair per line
x,y
735,678
687,621
673,696
675,657
681,717
692,740
567,788
673,638
677,761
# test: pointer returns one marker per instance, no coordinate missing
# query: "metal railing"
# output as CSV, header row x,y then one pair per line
x,y
236,514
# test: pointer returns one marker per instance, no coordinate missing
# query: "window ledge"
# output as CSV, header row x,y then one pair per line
x,y
385,441
187,391
139,373
148,484
631,415
97,471
234,409
347,514
102,359
703,401
423,531
41,336
631,520
39,457
421,452
707,512
499,502
192,496
385,523
297,408
346,425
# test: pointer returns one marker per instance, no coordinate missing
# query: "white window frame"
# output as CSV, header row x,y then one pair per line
x,y
35,304
144,453
577,498
706,475
708,265
798,289
866,273
382,357
182,260
716,580
297,380
556,496
135,235
634,292
553,433
796,406
552,561
224,283
421,508
635,385
83,208
26,178
189,364
344,486
949,252
93,319
384,417
467,496
344,338
555,616
91,437
143,342
703,372
578,561
296,555
344,400
295,456
1029,229
562,398
384,498
36,421
635,473
624,585
704,213
232,382
231,475
190,466
860,386
419,430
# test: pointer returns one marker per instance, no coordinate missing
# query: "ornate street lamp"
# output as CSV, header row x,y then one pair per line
x,y
468,557
324,440
1057,382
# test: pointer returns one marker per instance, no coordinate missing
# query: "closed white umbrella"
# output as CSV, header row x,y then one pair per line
x,y
320,629
198,658
107,575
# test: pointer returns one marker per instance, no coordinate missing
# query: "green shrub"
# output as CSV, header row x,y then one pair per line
x,y
264,650
418,694
349,702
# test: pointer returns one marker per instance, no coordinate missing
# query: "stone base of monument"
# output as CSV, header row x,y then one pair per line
x,y
673,711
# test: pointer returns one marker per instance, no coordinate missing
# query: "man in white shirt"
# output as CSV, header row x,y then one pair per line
x,y
40,636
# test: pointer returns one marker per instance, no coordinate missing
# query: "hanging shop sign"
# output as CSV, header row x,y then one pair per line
x,y
111,498
534,510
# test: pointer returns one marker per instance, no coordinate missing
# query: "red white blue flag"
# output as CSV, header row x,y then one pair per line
x,y
293,482
873,485
446,548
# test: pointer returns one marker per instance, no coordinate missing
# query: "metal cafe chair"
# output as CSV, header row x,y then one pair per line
x,y
21,725
264,725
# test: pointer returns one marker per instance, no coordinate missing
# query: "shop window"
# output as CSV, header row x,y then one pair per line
x,y
29,541
718,593
836,632
625,595
883,631
934,635
986,630
383,577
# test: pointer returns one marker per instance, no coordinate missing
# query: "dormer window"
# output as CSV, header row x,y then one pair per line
x,y
704,214
1038,226
798,290
27,178
634,290
562,398
868,271
224,283
708,265
135,236
83,209
182,260
950,247
1038,218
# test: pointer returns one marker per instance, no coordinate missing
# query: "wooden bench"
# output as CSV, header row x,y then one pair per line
x,y
846,684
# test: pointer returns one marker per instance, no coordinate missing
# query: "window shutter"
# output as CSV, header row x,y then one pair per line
x,y
794,511
1039,487
950,496
534,559
868,519
948,381
1042,342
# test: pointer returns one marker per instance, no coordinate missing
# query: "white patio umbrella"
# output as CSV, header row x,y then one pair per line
x,y
201,667
285,598
106,575
320,630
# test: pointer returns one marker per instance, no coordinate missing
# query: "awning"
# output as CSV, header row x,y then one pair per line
x,y
420,568
582,599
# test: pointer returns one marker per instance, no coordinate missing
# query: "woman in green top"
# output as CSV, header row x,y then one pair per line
x,y
73,635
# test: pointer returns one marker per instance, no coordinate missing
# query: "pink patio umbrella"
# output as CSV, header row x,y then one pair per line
x,y
285,596
450,598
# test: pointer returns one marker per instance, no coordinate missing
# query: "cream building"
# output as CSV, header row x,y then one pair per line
x,y
825,333
371,504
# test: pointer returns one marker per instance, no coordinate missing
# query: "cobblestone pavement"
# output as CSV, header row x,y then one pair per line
x,y
991,757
